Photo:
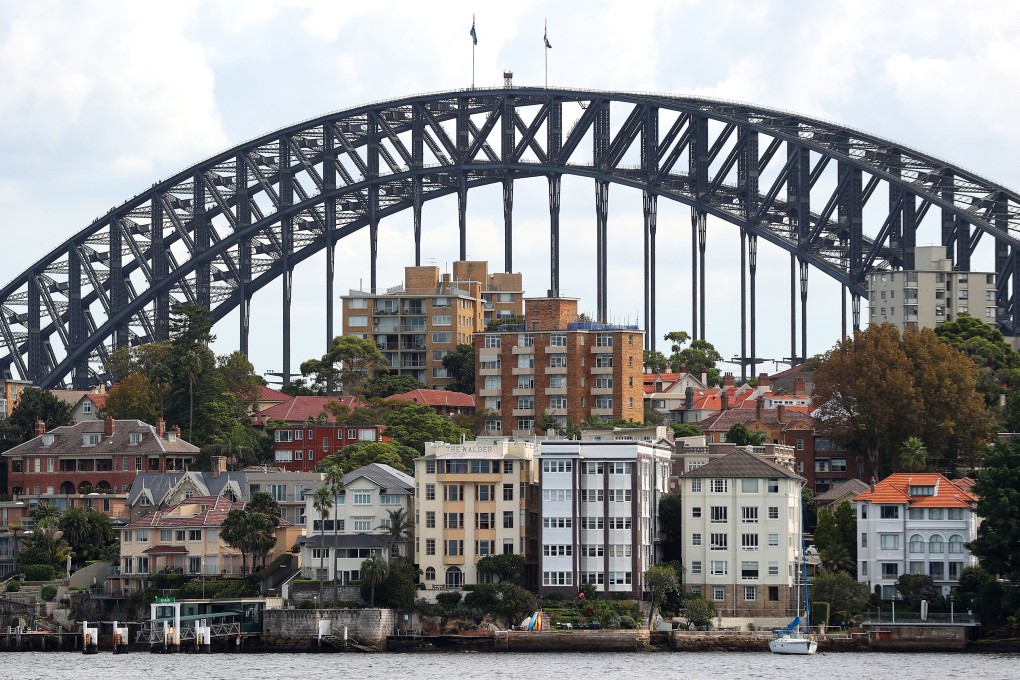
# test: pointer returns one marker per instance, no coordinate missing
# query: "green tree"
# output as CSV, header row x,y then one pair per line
x,y
913,456
847,597
350,363
322,503
360,454
506,568
686,430
699,611
660,580
400,588
374,571
509,322
986,346
77,530
997,545
387,384
416,424
670,523
835,537
334,481
34,405
913,587
876,389
506,599
741,435
809,509
655,362
399,531
460,365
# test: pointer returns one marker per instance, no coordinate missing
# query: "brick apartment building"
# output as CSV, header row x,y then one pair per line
x,y
299,448
559,366
420,321
103,455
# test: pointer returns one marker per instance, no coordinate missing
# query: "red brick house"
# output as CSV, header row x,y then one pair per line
x,y
445,402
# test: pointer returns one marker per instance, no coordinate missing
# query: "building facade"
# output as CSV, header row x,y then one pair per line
x,y
299,448
930,293
473,500
741,534
357,526
914,523
599,514
101,455
418,322
556,370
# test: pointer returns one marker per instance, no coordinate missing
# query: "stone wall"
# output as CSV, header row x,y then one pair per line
x,y
573,641
919,637
299,628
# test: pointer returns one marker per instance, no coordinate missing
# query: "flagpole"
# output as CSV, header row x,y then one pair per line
x,y
545,40
474,43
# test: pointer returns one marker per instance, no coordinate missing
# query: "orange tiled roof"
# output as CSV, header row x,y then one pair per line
x,y
300,409
894,490
436,398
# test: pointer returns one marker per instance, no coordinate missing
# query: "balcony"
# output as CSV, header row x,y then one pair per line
x,y
523,392
523,370
524,411
555,370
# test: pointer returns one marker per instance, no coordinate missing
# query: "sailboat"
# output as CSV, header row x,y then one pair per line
x,y
791,640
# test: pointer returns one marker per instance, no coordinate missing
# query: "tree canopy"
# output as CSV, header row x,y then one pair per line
x,y
700,356
460,365
349,364
415,424
742,435
671,519
997,545
387,384
877,389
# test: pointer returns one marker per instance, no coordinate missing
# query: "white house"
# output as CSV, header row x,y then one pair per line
x,y
741,534
361,519
914,523
599,513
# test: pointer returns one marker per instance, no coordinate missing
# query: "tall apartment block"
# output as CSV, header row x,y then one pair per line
x,y
420,321
473,500
931,293
599,513
556,365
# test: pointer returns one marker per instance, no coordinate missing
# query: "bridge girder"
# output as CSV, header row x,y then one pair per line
x,y
216,233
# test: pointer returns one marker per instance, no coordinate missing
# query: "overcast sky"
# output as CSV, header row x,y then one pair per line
x,y
101,99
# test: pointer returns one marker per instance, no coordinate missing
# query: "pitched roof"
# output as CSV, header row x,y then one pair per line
x,y
383,475
849,487
895,490
436,398
741,464
300,409
269,394
159,485
724,420
69,439
210,512
69,397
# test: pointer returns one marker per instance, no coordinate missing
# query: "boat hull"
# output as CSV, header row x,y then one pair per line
x,y
793,645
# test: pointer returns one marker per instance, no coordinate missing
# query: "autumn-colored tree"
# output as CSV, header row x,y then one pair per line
x,y
133,397
877,389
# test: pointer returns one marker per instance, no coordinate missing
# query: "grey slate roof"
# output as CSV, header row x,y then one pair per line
x,y
847,488
67,439
389,478
159,485
741,465
317,540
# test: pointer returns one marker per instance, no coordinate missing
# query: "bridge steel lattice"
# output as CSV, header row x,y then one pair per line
x,y
216,233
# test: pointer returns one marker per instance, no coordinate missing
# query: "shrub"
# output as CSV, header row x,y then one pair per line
x,y
38,572
449,600
627,622
49,592
13,586
820,613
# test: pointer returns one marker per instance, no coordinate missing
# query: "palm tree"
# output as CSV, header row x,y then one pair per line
x,y
15,528
335,483
77,530
913,455
192,364
322,502
374,571
46,514
233,532
400,530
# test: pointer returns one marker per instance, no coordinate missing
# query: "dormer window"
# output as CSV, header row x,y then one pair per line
x,y
47,440
171,435
921,490
86,407
136,438
91,438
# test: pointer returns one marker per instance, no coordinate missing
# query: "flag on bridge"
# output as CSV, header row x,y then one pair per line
x,y
474,36
545,37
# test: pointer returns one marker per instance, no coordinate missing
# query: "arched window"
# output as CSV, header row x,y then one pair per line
x,y
956,543
454,577
936,546
430,574
916,543
67,489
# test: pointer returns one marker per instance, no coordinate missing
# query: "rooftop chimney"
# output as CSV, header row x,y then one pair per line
x,y
872,485
763,380
689,398
160,427
177,431
799,387
759,409
40,427
725,397
109,427
218,465
781,413
728,380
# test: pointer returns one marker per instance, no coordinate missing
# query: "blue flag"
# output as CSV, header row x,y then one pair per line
x,y
545,37
474,36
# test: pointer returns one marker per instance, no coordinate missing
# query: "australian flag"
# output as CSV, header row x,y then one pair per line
x,y
474,36
545,37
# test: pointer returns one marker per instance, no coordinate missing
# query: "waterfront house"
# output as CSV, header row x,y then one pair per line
x,y
914,523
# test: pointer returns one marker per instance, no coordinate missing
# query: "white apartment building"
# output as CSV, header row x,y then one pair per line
x,y
473,500
741,534
914,523
930,293
356,527
599,513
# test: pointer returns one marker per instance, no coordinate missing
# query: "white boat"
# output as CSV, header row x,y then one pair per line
x,y
793,642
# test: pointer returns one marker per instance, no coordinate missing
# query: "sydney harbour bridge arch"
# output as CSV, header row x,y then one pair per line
x,y
837,200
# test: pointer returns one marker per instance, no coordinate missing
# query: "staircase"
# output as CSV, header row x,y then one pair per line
x,y
348,645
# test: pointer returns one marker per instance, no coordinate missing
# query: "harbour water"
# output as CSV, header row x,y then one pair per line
x,y
509,666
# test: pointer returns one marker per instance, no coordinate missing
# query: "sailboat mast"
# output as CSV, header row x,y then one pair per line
x,y
803,564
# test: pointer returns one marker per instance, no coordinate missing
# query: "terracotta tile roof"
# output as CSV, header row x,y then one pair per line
x,y
894,490
97,399
68,439
300,409
436,398
210,513
269,394
797,416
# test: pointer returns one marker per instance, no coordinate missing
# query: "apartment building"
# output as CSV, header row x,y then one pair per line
x,y
299,448
914,523
10,394
473,500
559,368
931,293
741,534
357,526
599,513
417,323
102,455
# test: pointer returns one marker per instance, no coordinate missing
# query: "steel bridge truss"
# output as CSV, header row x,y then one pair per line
x,y
218,232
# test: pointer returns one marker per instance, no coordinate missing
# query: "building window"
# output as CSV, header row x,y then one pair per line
x,y
890,570
773,512
749,541
492,341
956,544
718,541
695,539
696,567
718,567
749,486
773,486
558,339
719,514
916,544
936,546
889,541
773,540
363,498
749,514
889,511
696,512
